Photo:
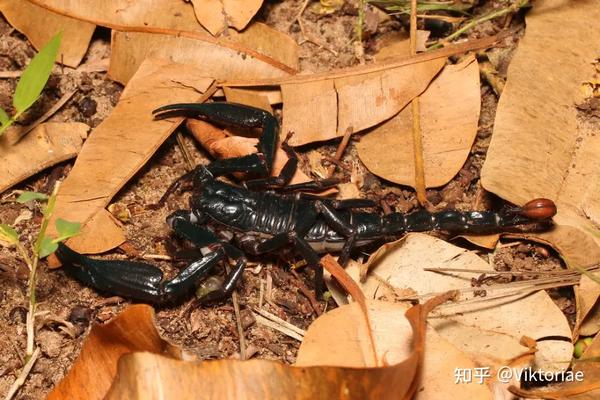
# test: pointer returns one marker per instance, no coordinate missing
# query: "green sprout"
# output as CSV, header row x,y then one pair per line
x,y
43,246
32,82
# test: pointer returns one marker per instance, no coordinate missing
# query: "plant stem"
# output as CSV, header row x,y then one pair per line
x,y
476,21
30,323
23,375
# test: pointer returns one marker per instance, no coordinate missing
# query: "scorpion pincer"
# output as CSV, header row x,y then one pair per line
x,y
265,215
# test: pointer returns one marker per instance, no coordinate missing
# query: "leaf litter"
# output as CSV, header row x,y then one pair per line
x,y
459,354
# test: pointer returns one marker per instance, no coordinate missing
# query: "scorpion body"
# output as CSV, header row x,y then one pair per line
x,y
267,221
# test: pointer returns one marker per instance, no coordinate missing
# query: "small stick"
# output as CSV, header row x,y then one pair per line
x,y
416,117
157,257
10,74
274,325
307,293
238,321
341,148
261,293
274,318
23,375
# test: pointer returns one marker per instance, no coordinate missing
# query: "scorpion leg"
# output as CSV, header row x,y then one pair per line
x,y
342,227
238,115
184,223
287,172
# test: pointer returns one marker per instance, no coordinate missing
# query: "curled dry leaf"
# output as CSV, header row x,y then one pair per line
x,y
449,116
40,25
124,142
488,329
143,375
95,368
217,15
46,145
538,147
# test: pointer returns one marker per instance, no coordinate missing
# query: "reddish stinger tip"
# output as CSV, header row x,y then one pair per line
x,y
539,209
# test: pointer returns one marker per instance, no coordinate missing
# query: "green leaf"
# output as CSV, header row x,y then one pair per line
x,y
4,118
28,196
66,229
8,234
35,76
47,247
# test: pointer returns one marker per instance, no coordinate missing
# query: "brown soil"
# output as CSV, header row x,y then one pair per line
x,y
69,309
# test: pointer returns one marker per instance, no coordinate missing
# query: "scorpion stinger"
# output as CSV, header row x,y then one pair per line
x,y
258,222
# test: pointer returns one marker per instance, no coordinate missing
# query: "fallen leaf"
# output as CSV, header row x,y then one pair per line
x,y
93,371
349,347
357,102
176,18
354,98
248,97
217,15
120,14
489,329
538,147
40,25
47,145
104,228
220,59
588,316
143,375
125,141
396,44
449,116
585,384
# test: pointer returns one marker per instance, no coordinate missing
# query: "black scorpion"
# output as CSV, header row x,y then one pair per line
x,y
266,221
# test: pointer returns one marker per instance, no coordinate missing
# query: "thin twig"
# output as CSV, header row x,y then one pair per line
x,y
416,117
240,328
341,149
274,325
10,74
275,318
23,375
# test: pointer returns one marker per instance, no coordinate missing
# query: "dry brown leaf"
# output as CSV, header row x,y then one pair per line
x,y
40,25
176,18
124,142
586,295
538,147
356,102
106,231
119,14
490,329
144,375
220,59
350,347
46,145
357,97
397,44
95,368
587,387
449,117
248,97
217,15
